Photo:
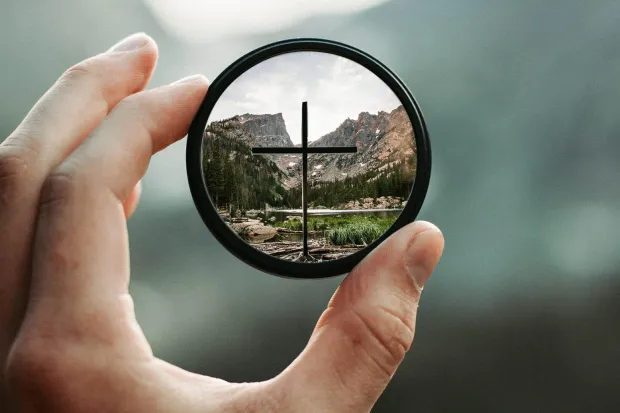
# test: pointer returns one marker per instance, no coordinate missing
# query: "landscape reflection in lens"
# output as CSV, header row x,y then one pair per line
x,y
357,139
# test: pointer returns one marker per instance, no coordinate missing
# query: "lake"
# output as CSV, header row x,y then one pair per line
x,y
281,214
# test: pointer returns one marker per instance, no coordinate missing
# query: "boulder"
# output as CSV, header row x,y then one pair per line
x,y
254,230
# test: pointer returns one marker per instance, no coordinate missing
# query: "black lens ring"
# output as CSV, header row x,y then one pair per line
x,y
235,244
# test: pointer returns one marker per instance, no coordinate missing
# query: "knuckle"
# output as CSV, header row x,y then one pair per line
x,y
58,189
78,72
385,336
13,169
92,78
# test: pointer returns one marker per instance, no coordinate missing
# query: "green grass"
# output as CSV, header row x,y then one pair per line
x,y
352,229
362,230
314,223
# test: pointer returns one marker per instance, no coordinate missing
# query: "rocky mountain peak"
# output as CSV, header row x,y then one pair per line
x,y
381,138
363,115
265,130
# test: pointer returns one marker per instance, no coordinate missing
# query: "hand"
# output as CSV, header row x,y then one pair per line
x,y
69,341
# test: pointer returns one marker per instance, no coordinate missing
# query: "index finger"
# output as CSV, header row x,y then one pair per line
x,y
81,260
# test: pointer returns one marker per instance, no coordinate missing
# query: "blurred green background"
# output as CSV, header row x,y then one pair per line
x,y
521,100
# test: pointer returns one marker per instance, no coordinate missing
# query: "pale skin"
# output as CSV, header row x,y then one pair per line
x,y
69,340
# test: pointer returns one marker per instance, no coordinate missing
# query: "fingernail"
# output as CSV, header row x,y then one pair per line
x,y
189,79
421,256
131,43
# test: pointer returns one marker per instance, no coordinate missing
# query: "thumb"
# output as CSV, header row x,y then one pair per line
x,y
362,337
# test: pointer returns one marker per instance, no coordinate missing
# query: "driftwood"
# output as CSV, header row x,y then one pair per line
x,y
318,251
315,257
311,251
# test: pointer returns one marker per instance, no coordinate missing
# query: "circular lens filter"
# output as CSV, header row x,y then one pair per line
x,y
305,155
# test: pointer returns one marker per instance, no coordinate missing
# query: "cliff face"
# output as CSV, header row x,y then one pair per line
x,y
382,140
264,130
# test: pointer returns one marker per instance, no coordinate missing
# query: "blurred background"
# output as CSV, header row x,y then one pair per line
x,y
521,100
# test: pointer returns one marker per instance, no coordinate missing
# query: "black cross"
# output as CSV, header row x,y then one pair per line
x,y
304,151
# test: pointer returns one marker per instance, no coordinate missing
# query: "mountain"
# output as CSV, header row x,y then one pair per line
x,y
382,140
384,164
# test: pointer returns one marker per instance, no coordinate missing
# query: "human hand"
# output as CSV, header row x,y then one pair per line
x,y
69,340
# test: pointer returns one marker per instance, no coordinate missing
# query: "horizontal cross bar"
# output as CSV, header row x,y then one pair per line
x,y
312,149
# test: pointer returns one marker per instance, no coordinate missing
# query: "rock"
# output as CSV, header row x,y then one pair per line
x,y
254,230
240,224
265,130
272,219
261,233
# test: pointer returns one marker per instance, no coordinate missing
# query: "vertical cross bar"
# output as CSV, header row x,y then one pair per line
x,y
304,187
304,150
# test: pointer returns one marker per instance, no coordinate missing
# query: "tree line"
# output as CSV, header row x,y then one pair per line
x,y
395,181
235,178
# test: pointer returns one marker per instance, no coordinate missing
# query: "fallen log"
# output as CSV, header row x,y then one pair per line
x,y
311,251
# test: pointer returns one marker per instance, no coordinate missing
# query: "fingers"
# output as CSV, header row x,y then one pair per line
x,y
81,98
81,263
117,154
368,326
57,124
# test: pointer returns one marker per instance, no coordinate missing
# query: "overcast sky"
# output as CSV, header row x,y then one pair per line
x,y
214,20
335,89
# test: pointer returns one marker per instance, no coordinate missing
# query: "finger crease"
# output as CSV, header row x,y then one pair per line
x,y
372,330
402,320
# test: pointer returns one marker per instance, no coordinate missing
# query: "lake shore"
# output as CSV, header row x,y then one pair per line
x,y
332,234
381,204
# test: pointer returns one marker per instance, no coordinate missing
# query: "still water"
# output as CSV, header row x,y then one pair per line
x,y
281,214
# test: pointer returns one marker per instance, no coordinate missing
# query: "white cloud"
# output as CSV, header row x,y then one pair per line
x,y
211,20
335,89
